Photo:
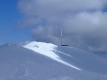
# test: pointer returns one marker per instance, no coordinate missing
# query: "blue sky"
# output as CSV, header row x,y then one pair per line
x,y
83,22
10,31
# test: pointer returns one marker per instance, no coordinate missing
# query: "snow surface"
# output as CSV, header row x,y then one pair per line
x,y
48,49
20,63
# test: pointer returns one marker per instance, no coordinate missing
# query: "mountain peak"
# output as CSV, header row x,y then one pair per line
x,y
48,50
42,47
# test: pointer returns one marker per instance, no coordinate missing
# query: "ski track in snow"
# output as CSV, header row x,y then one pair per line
x,y
47,49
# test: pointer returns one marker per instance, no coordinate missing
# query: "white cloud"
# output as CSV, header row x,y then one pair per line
x,y
84,24
49,7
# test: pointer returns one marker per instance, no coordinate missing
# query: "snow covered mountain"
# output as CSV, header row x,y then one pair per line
x,y
48,50
46,61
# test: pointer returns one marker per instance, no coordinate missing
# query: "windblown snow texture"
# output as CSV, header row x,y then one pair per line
x,y
46,61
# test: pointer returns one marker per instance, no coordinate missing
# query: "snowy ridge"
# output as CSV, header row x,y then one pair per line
x,y
47,49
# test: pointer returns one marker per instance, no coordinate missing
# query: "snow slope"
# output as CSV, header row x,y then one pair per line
x,y
72,57
48,50
46,61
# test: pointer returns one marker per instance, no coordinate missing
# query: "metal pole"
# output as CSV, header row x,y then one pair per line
x,y
61,36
